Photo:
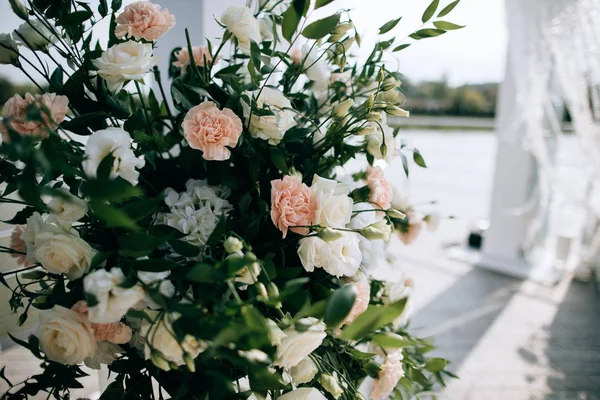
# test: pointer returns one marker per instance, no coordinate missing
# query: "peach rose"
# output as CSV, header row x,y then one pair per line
x,y
18,244
209,129
53,109
381,191
296,55
201,53
144,20
409,234
116,332
292,204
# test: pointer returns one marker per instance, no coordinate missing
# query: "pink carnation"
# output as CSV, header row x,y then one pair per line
x,y
144,20
363,295
390,374
116,332
53,109
18,244
381,191
201,54
411,233
292,205
212,130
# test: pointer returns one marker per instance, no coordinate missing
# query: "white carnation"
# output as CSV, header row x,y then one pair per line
x,y
128,61
241,23
296,346
269,127
116,142
339,257
112,300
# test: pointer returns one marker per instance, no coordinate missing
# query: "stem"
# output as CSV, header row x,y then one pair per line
x,y
18,271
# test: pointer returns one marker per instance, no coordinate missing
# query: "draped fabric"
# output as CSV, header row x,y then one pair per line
x,y
554,65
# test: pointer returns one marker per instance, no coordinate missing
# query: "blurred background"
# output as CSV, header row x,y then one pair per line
x,y
505,113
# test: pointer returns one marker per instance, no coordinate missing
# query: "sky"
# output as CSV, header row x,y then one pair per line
x,y
474,54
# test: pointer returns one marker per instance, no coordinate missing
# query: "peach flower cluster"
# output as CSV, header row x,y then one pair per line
x,y
390,374
202,57
116,332
18,244
212,130
144,20
53,109
293,205
381,191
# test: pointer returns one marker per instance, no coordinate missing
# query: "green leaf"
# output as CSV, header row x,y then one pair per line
x,y
388,26
278,159
418,159
431,9
404,163
435,365
291,19
401,47
113,217
116,4
103,8
21,216
80,124
427,33
138,244
205,273
321,3
139,314
153,265
184,248
448,9
56,79
321,28
448,26
339,306
374,318
391,340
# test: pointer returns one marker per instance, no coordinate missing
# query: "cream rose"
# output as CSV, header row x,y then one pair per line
x,y
66,336
269,127
333,210
303,394
129,61
304,372
68,209
112,300
116,142
63,253
296,346
241,23
163,348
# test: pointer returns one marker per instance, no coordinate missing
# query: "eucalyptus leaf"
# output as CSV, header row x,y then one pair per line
x,y
446,10
430,10
388,26
448,26
321,28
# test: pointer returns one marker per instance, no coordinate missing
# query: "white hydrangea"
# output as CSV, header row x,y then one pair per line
x,y
196,212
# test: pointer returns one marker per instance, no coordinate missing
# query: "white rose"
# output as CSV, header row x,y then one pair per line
x,y
266,28
68,209
63,253
316,69
333,210
66,336
269,127
241,23
159,281
9,53
345,255
129,61
296,346
117,142
35,226
364,216
375,141
163,348
34,35
304,372
313,252
303,394
113,301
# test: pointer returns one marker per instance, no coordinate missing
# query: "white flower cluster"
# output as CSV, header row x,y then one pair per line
x,y
196,212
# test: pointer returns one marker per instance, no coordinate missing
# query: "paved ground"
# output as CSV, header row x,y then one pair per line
x,y
506,339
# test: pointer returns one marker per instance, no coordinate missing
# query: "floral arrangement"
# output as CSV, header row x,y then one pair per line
x,y
209,242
